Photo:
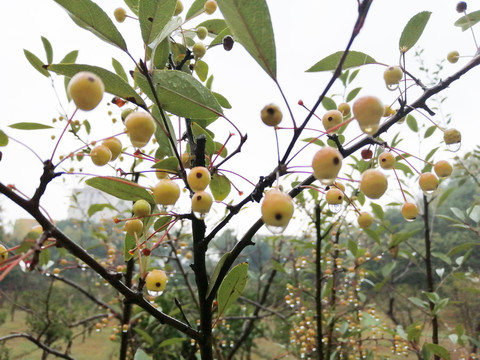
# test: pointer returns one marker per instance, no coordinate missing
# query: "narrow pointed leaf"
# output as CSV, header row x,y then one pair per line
x,y
3,138
438,350
183,95
466,22
413,30
98,207
48,49
250,22
70,58
114,84
90,16
36,63
120,188
354,59
196,9
232,286
214,26
119,70
29,126
153,16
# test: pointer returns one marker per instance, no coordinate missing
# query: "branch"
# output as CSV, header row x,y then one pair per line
x,y
38,343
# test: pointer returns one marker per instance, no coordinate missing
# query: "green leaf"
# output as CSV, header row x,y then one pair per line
x,y
474,214
278,267
170,341
141,355
161,53
98,207
119,70
173,24
195,10
170,164
458,213
398,238
314,141
160,223
403,167
465,22
3,138
378,211
220,149
197,131
90,16
114,84
133,5
216,272
413,30
354,59
120,188
429,132
44,257
251,25
222,100
29,126
418,302
219,38
412,123
183,95
36,63
438,350
431,153
445,195
48,49
352,94
201,69
214,26
154,16
145,337
232,286
328,103
70,58
220,186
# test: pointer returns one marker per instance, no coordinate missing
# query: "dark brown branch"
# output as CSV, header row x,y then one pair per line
x,y
38,343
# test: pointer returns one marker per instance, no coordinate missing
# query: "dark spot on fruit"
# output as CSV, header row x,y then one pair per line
x,y
278,216
199,175
158,284
339,197
330,118
199,197
336,160
91,79
270,111
383,160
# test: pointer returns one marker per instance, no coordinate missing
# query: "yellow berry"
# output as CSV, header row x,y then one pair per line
x,y
134,226
120,14
201,203
365,220
100,155
114,145
326,164
86,89
140,128
409,211
428,182
156,280
393,75
277,208
271,115
331,119
443,169
199,50
334,196
453,56
386,160
210,6
202,32
166,192
373,183
142,208
452,136
344,108
3,253
198,178
368,110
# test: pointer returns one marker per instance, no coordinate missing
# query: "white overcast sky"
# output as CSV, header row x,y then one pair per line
x,y
305,32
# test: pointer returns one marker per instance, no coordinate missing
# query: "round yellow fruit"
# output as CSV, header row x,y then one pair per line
x,y
277,208
114,145
140,128
202,32
134,226
428,182
86,89
100,155
453,56
142,208
199,50
409,211
452,136
386,160
334,196
344,108
326,165
201,203
331,119
443,169
210,6
120,14
166,192
339,186
198,178
393,75
368,110
365,220
3,253
373,183
156,280
271,115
